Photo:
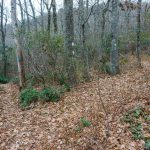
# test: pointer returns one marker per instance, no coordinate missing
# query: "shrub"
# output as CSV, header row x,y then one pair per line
x,y
15,80
136,131
3,80
50,94
62,78
147,144
67,87
27,96
85,123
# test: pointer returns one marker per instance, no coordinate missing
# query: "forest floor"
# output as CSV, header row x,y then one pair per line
x,y
58,126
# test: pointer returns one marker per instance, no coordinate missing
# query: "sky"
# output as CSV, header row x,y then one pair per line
x,y
36,5
58,2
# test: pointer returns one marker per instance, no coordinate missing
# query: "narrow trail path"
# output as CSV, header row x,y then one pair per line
x,y
54,126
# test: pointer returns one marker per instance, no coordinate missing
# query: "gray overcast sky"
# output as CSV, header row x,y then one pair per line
x,y
59,3
36,5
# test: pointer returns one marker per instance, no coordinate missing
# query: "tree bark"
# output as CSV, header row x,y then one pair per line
x,y
114,54
19,53
27,15
3,35
42,16
55,17
82,24
138,46
69,39
34,16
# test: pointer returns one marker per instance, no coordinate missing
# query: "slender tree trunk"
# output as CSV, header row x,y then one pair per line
x,y
69,39
42,16
138,47
48,7
104,12
27,15
127,15
2,30
49,20
55,17
21,11
19,53
114,54
83,40
34,16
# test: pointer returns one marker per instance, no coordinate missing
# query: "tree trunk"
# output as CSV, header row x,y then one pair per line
x,y
42,16
104,12
2,30
27,15
19,53
83,40
49,20
34,16
138,47
114,54
55,17
69,39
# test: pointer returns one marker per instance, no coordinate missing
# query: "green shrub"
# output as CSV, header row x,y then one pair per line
x,y
27,96
15,80
3,80
62,78
67,87
136,131
106,67
50,94
147,144
85,122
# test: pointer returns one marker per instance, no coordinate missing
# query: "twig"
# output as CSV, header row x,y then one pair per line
x,y
107,127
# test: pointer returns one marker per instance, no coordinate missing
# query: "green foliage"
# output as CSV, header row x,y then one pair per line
x,y
50,50
85,122
67,87
27,96
132,114
62,78
50,94
47,43
145,39
82,124
136,131
30,80
127,119
3,80
15,80
137,112
147,144
106,67
134,118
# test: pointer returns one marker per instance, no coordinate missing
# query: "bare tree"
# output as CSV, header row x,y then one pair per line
x,y
27,15
42,14
114,55
48,7
34,15
82,22
69,40
138,47
54,16
3,22
104,12
19,53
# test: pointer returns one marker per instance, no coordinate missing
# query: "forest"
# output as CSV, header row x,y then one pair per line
x,y
74,75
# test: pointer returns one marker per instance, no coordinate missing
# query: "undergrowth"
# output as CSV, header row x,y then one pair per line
x,y
31,95
138,120
3,80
